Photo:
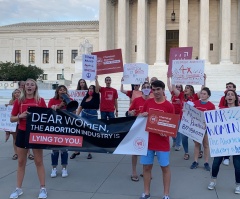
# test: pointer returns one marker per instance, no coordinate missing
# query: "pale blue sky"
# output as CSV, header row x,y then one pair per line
x,y
17,11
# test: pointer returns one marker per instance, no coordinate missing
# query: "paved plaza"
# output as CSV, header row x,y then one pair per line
x,y
107,176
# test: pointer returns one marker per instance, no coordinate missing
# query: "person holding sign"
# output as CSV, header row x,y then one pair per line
x,y
134,110
15,95
203,105
89,106
229,86
82,85
57,103
178,105
158,143
29,97
109,96
132,94
189,96
231,100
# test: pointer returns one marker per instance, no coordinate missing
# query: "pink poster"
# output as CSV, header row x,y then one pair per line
x,y
178,54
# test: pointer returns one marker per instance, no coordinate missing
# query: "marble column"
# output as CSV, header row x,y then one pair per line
x,y
161,33
123,28
141,31
225,56
204,31
183,24
106,20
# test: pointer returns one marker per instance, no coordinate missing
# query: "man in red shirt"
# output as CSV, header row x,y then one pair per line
x,y
109,96
157,143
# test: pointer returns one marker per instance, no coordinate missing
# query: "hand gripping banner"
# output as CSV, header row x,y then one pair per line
x,y
49,129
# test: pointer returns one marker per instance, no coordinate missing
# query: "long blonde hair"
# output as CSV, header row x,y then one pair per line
x,y
35,95
13,95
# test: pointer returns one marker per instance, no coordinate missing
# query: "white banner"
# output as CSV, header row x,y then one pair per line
x,y
188,72
77,95
5,114
192,123
136,141
135,73
89,67
223,128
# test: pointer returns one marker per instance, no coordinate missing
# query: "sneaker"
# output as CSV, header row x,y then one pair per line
x,y
165,197
16,193
207,167
226,162
89,156
144,196
54,173
177,148
212,185
194,165
237,189
64,173
42,193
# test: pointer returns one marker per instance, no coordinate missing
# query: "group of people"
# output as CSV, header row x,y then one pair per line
x,y
29,96
149,95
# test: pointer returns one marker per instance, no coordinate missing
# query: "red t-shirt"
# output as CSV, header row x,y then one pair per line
x,y
177,103
108,97
222,102
137,104
204,107
54,101
156,141
19,108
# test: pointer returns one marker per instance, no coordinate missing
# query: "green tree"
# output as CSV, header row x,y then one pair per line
x,y
16,72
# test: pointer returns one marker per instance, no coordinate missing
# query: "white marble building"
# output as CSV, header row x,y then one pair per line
x,y
145,30
51,46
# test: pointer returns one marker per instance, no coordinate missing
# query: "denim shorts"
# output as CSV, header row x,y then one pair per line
x,y
89,113
162,156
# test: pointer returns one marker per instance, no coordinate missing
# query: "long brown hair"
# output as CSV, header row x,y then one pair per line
x,y
85,86
236,103
56,96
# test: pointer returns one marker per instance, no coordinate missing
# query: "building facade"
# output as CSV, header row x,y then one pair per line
x,y
145,30
51,46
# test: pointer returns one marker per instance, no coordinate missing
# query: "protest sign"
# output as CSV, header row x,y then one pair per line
x,y
188,72
165,124
178,54
77,95
223,129
49,129
192,123
89,67
5,114
109,61
135,73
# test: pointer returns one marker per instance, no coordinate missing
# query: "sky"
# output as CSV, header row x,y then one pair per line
x,y
17,11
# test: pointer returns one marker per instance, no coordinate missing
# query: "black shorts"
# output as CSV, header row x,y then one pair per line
x,y
22,140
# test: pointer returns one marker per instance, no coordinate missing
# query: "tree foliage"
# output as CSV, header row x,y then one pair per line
x,y
16,72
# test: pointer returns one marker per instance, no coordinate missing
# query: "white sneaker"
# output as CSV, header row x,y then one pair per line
x,y
212,185
64,173
54,173
16,193
226,162
237,189
42,193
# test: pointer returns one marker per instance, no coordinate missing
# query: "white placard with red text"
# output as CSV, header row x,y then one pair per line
x,y
188,72
5,114
77,95
135,73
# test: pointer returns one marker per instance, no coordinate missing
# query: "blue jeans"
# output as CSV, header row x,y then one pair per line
x,y
185,143
236,163
55,155
89,113
178,138
107,115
